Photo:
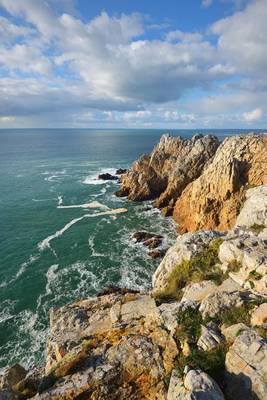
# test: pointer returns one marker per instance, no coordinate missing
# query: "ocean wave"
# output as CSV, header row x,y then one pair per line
x,y
93,204
44,244
92,179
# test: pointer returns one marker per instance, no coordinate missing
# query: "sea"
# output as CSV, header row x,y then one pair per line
x,y
53,249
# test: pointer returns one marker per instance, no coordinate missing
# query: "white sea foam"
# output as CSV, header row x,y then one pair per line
x,y
92,179
46,242
60,200
93,204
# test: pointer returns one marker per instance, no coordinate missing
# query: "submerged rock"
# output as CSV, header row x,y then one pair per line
x,y
107,177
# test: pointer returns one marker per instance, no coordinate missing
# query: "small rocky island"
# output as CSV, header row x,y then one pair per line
x,y
200,333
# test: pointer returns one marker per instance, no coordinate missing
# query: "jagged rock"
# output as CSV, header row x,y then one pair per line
x,y
196,385
173,163
231,332
107,177
254,211
259,316
169,311
199,291
158,253
120,171
246,366
11,376
186,247
245,258
114,346
210,337
213,200
219,301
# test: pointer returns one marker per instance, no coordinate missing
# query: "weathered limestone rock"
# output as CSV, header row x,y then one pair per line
x,y
245,257
169,311
219,301
246,366
213,200
259,316
254,211
173,163
231,332
210,337
115,346
11,376
186,247
196,385
199,291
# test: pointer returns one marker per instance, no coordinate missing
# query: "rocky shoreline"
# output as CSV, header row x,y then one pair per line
x,y
201,331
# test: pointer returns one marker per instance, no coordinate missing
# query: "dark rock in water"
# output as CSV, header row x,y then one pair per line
x,y
154,242
121,171
107,177
148,208
167,211
148,239
113,289
157,253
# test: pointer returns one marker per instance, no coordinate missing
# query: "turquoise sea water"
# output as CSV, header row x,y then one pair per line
x,y
50,256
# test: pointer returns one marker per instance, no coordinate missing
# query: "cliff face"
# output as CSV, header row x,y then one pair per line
x,y
203,183
215,198
164,173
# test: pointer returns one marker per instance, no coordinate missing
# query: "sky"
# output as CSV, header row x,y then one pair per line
x,y
133,64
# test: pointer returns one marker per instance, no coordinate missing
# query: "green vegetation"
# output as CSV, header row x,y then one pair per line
x,y
234,266
212,362
189,325
256,228
202,267
255,275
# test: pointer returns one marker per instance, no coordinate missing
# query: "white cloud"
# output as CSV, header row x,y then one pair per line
x,y
111,69
207,3
254,115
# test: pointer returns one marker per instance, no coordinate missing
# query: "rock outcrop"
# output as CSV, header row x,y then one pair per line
x,y
246,367
215,198
172,165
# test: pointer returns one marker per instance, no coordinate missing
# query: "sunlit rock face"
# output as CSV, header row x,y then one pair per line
x,y
164,173
215,198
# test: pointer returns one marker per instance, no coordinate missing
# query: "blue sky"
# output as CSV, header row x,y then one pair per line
x,y
133,63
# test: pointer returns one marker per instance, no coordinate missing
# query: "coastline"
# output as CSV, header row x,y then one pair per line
x,y
90,340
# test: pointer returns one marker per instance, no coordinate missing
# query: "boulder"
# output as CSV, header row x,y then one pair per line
x,y
215,303
210,337
195,385
231,332
163,174
186,247
120,171
157,253
254,211
11,376
199,291
107,177
259,316
246,367
213,200
244,256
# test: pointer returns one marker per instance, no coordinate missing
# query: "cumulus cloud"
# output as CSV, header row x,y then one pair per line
x,y
254,115
107,67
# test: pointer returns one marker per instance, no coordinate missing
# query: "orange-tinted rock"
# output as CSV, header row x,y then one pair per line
x,y
215,198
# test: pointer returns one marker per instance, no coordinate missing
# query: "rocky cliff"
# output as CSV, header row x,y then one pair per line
x,y
200,334
202,183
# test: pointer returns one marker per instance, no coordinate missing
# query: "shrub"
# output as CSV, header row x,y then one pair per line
x,y
256,228
189,325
